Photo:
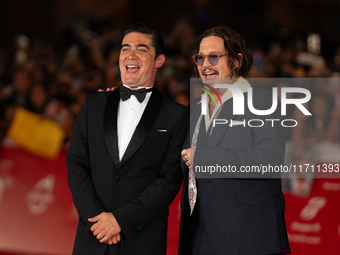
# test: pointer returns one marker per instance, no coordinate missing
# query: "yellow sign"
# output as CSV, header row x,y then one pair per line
x,y
37,135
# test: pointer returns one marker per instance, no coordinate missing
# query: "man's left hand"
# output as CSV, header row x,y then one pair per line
x,y
106,226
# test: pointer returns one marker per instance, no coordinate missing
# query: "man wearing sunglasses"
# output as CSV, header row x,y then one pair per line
x,y
242,214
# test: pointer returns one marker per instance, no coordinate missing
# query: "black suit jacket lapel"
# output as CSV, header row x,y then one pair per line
x,y
110,126
219,130
195,112
144,126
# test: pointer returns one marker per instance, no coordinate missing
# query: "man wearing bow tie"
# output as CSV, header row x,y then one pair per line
x,y
124,158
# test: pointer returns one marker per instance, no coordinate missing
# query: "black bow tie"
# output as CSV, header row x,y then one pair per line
x,y
125,93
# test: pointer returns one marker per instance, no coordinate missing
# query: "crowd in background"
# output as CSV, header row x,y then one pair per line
x,y
53,81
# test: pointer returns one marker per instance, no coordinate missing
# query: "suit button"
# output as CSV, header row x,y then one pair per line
x,y
82,222
117,178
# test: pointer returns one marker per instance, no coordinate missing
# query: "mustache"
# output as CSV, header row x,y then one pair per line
x,y
209,69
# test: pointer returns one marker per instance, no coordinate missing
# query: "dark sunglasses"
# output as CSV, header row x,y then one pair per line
x,y
212,58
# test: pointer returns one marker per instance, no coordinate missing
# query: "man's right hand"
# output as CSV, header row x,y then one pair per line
x,y
114,240
108,89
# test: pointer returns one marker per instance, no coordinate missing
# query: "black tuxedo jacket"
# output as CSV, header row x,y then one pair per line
x,y
139,188
240,215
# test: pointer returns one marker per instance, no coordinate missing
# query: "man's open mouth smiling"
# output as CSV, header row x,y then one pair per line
x,y
209,73
132,68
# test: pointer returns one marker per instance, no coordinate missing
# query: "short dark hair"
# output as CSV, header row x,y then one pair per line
x,y
234,44
156,38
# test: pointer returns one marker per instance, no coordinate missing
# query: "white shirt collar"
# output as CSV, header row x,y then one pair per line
x,y
241,83
126,86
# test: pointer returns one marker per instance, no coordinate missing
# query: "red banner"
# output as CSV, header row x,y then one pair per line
x,y
36,208
313,222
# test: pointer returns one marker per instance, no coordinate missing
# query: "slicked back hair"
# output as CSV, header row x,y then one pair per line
x,y
156,38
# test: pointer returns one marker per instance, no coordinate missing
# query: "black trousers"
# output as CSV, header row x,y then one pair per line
x,y
202,246
115,249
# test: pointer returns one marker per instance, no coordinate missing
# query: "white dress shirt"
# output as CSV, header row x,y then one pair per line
x,y
242,84
130,112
